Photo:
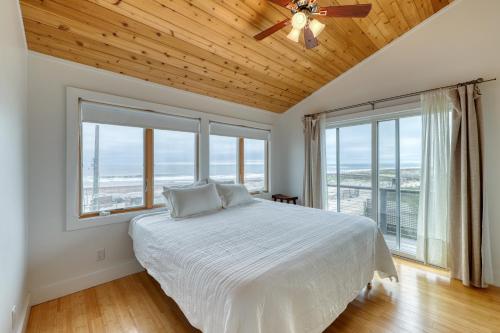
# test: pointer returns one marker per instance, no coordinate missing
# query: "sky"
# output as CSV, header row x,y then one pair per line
x,y
355,143
119,147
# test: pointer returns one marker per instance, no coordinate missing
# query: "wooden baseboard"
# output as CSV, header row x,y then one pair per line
x,y
69,286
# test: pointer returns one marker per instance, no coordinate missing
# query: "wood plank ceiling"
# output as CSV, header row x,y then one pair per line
x,y
207,47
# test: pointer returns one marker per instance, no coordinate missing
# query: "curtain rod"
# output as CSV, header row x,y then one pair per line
x,y
372,103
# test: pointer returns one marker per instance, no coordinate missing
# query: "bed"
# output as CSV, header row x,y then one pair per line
x,y
264,267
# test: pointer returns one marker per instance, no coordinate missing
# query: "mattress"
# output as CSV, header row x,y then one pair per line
x,y
263,267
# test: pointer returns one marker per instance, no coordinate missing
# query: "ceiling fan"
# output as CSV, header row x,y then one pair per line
x,y
303,11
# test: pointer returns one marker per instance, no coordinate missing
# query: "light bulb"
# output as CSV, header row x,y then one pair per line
x,y
294,35
316,27
299,20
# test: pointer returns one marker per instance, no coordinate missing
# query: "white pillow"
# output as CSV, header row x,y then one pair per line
x,y
185,202
213,181
233,195
197,183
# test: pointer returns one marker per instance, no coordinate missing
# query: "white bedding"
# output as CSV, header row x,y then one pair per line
x,y
264,267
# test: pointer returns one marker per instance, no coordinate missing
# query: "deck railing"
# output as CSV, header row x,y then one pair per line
x,y
357,200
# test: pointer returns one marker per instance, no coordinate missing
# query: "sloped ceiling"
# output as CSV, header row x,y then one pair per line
x,y
207,47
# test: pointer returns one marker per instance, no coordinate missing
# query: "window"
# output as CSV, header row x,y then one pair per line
x,y
127,156
255,175
239,154
349,156
355,177
121,152
331,169
378,163
224,158
174,160
112,167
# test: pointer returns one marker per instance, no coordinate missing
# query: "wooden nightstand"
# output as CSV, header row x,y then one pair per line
x,y
283,198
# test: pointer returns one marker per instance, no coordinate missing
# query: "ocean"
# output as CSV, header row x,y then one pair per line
x,y
174,172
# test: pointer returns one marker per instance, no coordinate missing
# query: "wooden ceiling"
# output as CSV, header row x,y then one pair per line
x,y
207,47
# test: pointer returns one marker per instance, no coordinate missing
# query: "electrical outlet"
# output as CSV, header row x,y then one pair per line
x,y
13,318
101,254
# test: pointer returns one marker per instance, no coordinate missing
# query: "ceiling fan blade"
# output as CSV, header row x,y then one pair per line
x,y
345,11
282,3
272,30
309,38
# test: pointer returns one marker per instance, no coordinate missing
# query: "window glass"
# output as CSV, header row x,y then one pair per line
x,y
388,212
112,167
255,165
355,179
331,168
411,163
223,158
174,160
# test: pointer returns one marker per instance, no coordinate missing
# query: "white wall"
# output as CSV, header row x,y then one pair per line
x,y
458,44
13,143
60,261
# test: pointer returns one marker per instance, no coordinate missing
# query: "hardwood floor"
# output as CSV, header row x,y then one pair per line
x,y
425,300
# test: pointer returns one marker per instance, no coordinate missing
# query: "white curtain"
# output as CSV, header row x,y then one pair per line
x,y
432,233
315,162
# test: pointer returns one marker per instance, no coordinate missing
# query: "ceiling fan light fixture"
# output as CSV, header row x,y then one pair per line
x,y
303,12
294,35
316,27
299,20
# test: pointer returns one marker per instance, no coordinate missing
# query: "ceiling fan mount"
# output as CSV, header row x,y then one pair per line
x,y
303,19
296,6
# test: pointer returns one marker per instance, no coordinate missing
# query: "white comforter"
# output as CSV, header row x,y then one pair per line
x,y
261,268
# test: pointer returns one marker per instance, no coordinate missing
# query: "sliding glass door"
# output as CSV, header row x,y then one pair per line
x,y
388,189
410,161
355,181
378,167
331,168
399,163
349,156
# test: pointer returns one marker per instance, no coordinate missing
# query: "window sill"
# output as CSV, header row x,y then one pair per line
x,y
77,223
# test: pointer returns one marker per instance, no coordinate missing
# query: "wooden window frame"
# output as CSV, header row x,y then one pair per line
x,y
148,183
241,160
149,162
241,165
